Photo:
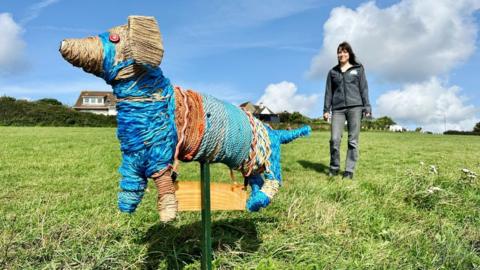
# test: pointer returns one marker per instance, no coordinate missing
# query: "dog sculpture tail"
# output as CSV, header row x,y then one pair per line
x,y
286,136
263,190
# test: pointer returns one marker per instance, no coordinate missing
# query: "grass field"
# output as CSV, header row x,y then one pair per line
x,y
58,196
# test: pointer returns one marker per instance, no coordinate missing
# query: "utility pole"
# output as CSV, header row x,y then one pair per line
x,y
444,122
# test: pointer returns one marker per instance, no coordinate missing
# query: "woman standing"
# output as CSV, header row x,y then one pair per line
x,y
346,97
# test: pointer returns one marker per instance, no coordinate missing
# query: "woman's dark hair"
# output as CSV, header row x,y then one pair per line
x,y
351,55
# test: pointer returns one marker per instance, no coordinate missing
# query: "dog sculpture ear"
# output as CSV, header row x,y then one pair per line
x,y
145,40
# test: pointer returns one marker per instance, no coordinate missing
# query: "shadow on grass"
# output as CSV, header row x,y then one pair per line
x,y
180,246
319,167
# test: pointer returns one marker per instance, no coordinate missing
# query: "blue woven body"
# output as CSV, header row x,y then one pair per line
x,y
146,129
228,134
148,135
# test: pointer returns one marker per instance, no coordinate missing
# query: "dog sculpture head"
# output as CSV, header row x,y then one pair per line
x,y
120,53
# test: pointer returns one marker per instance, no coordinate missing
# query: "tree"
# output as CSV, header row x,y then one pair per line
x,y
7,99
297,117
368,123
384,122
50,101
284,116
476,128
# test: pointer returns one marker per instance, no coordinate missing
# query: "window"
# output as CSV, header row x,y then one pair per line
x,y
93,100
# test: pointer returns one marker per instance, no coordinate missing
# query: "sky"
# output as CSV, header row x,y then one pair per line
x,y
421,56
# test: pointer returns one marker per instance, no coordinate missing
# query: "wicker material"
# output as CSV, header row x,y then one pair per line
x,y
145,40
86,53
123,52
166,200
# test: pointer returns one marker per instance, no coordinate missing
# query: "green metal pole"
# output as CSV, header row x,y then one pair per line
x,y
206,217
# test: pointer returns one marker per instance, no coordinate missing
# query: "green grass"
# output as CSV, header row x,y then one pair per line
x,y
58,189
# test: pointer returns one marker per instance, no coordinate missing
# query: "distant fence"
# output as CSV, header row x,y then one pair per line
x,y
314,126
323,126
456,132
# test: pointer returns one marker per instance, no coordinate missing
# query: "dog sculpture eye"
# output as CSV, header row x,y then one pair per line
x,y
114,38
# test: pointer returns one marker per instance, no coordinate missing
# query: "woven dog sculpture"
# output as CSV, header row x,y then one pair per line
x,y
159,124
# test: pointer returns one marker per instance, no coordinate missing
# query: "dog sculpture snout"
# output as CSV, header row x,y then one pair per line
x,y
84,53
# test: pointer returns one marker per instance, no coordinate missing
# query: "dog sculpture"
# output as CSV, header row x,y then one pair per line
x,y
159,124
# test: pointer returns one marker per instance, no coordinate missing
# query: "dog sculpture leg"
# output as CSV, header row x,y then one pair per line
x,y
166,201
133,183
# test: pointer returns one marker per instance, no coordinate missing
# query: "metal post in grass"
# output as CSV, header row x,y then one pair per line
x,y
206,217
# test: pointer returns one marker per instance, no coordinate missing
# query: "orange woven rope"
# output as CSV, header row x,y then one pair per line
x,y
181,129
163,182
190,121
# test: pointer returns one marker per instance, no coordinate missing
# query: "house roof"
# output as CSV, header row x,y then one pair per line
x,y
249,106
256,109
108,96
245,104
265,110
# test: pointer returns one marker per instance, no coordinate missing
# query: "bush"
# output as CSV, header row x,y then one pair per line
x,y
456,132
48,112
295,117
49,101
382,123
476,128
314,125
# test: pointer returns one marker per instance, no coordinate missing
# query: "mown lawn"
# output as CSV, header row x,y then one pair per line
x,y
58,189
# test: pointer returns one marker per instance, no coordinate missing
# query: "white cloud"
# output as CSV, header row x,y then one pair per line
x,y
431,105
409,41
283,97
12,46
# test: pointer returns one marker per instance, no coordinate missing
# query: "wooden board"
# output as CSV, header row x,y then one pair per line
x,y
223,196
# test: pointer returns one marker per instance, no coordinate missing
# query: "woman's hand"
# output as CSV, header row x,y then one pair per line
x,y
326,116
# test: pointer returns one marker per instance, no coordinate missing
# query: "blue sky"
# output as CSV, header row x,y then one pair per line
x,y
421,56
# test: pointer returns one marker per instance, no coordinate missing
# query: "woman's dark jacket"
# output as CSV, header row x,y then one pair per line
x,y
346,89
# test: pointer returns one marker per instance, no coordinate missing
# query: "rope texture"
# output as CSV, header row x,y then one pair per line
x,y
149,113
260,151
189,118
167,204
227,136
263,191
146,125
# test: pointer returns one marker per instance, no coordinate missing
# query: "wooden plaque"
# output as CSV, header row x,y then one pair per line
x,y
223,196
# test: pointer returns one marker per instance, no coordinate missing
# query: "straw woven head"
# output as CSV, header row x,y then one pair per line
x,y
139,40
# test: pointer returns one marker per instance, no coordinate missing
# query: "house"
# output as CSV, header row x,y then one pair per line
x,y
396,128
261,112
98,102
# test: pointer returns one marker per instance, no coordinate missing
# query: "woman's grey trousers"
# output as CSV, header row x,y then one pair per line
x,y
353,116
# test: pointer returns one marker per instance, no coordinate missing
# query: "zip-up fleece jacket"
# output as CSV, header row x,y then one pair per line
x,y
346,89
